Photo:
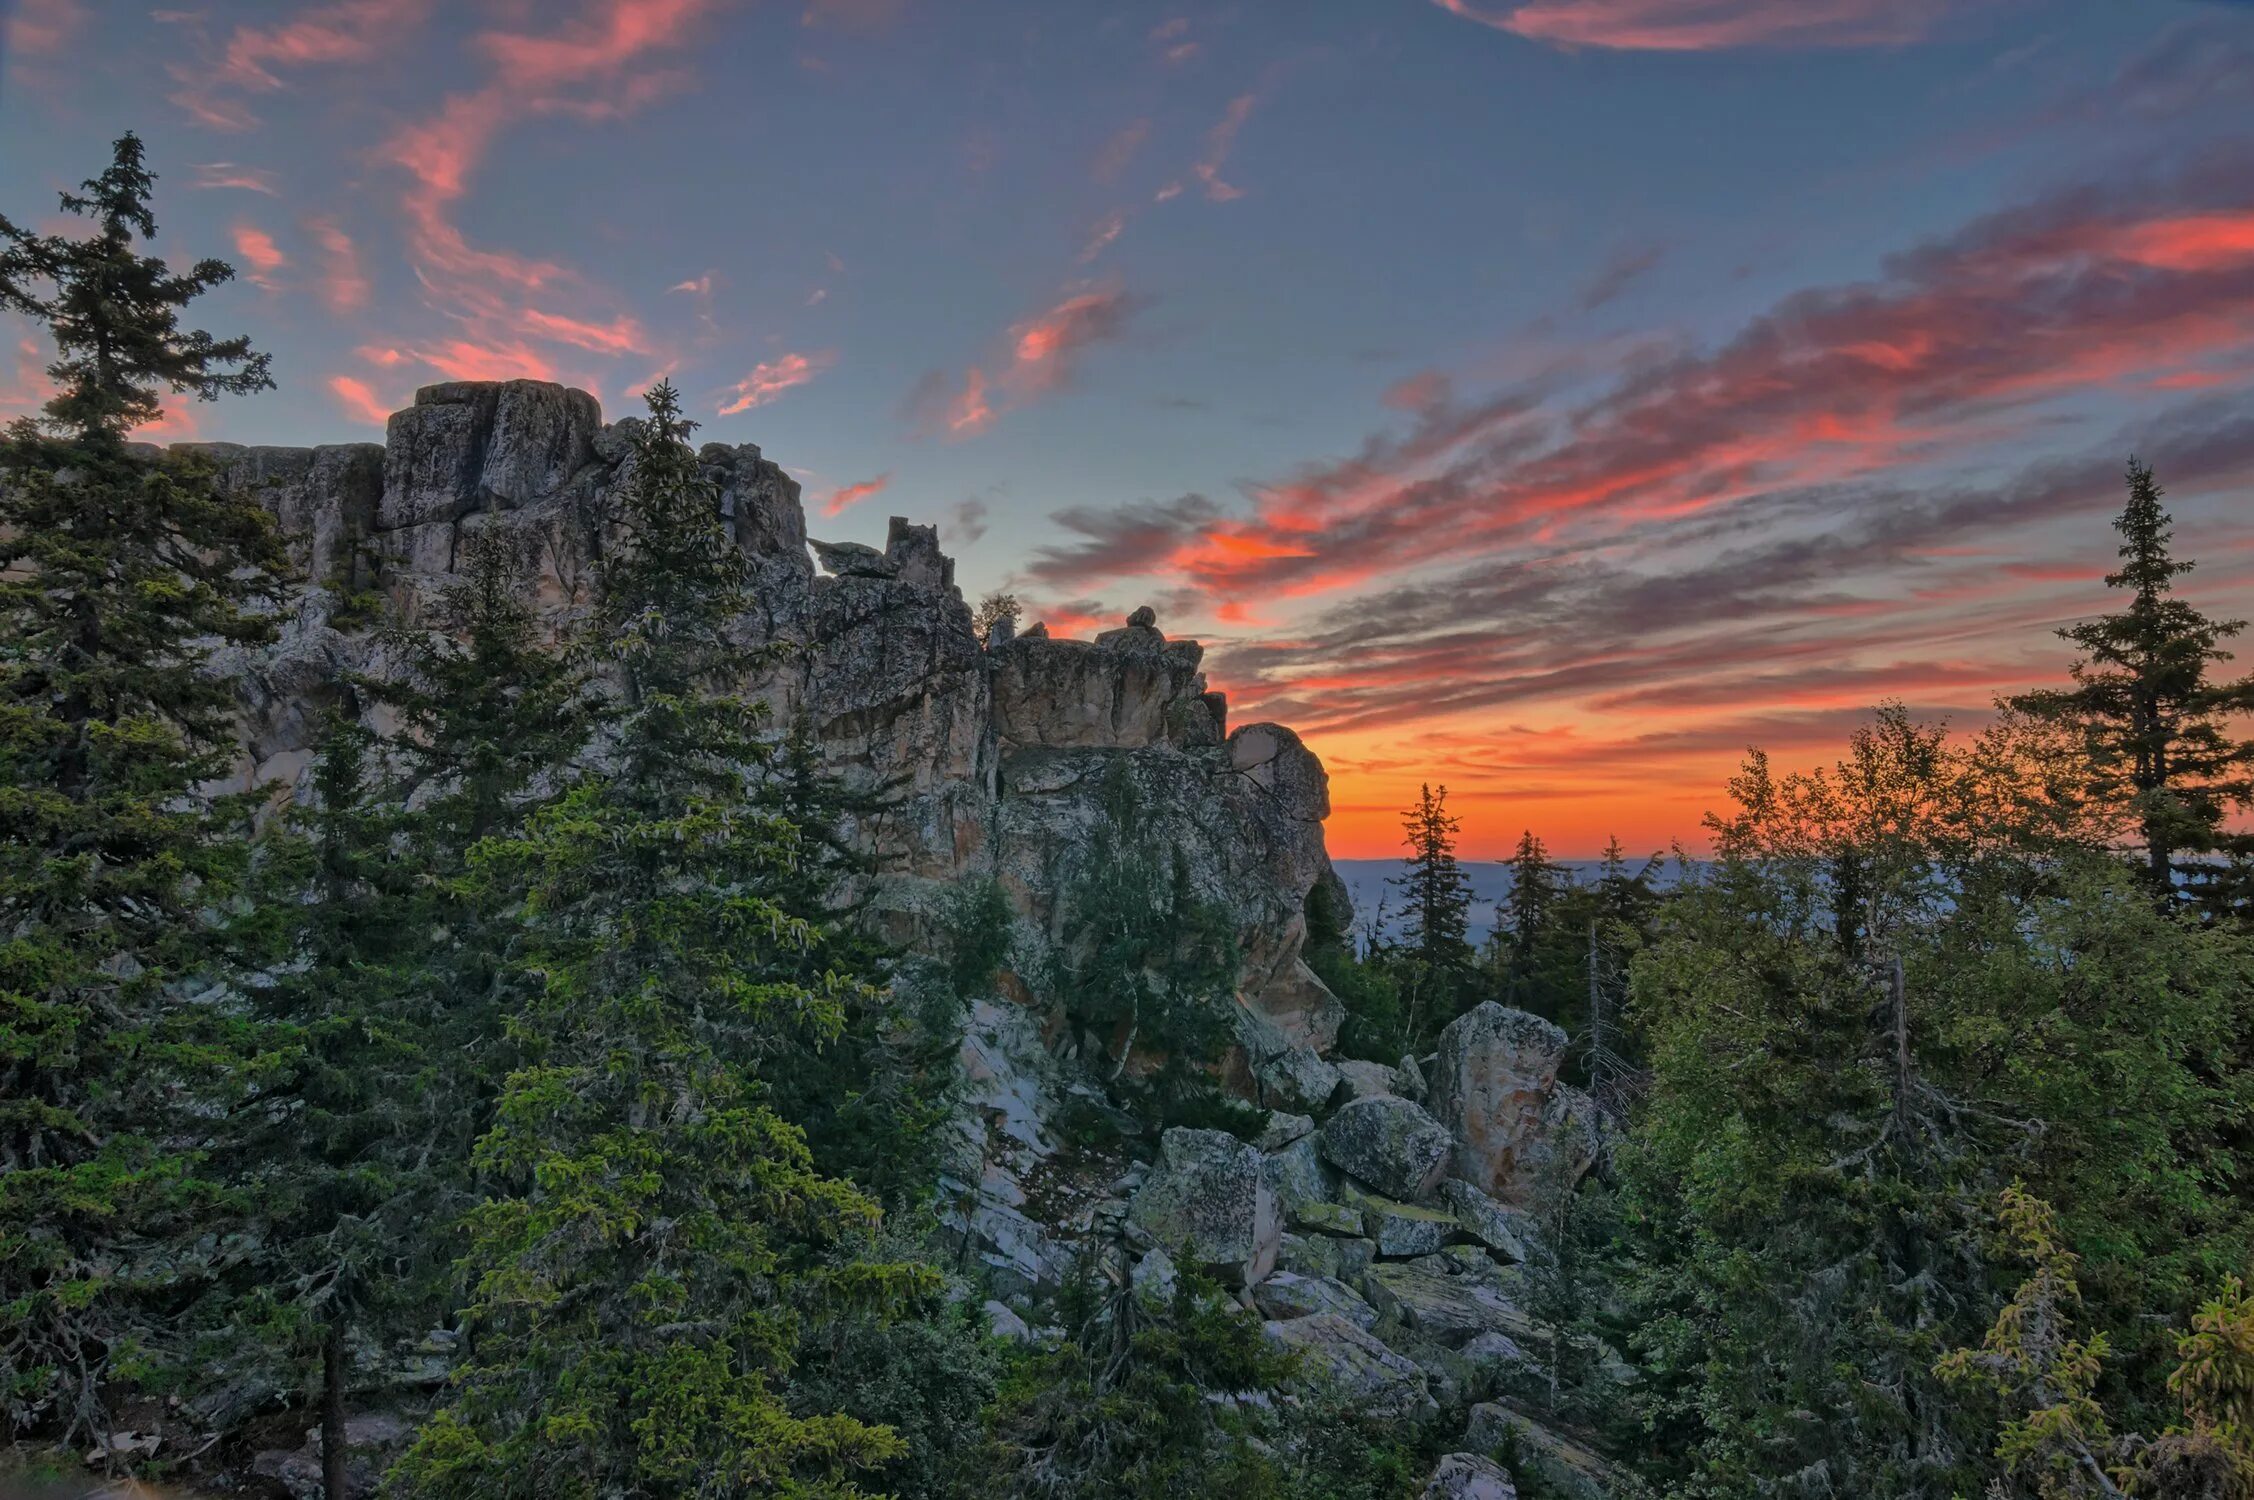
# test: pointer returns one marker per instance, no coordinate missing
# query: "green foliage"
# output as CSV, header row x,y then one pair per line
x,y
1150,968
1896,991
2157,733
119,576
1434,960
657,1232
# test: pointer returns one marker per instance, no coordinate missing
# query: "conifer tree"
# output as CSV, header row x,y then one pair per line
x,y
386,1009
2156,727
657,1228
119,574
1436,898
1538,886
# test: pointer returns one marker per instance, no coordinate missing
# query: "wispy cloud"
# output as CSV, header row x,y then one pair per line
x,y
259,252
344,287
771,378
1038,356
1219,142
229,174
358,400
850,495
1710,25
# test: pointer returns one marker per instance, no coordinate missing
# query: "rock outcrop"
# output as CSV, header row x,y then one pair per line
x,y
1375,1217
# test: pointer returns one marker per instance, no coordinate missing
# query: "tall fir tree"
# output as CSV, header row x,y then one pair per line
x,y
2157,729
1435,951
387,1002
1528,918
657,1230
119,576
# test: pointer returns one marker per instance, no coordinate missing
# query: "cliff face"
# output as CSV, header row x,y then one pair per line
x,y
970,762
1379,1220
973,762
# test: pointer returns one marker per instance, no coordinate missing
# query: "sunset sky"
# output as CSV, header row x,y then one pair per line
x,y
1547,398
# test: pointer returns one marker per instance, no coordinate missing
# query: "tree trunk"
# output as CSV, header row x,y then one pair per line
x,y
333,1483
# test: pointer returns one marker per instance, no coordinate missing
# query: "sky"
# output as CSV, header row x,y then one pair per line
x,y
1544,398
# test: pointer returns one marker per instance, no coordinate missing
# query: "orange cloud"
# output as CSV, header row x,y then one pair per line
x,y
773,377
854,494
358,400
970,412
1709,25
462,359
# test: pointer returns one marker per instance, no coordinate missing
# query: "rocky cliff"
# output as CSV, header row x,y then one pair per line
x,y
1378,1223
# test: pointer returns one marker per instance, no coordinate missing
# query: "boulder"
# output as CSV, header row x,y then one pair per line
x,y
1282,1129
1389,1143
1155,1280
853,560
1368,1080
1467,1476
1296,1174
1349,1365
1287,1295
1208,1204
1400,1229
1492,1082
1307,1255
1299,1079
1564,1466
1328,1218
1505,1230
1451,1311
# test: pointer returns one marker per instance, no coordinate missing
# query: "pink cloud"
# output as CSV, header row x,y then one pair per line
x,y
622,335
358,400
1709,25
1218,143
773,377
343,286
41,28
1044,350
462,359
853,494
1107,231
227,174
1119,151
258,249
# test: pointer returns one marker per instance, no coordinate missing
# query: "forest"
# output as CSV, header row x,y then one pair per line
x,y
531,1066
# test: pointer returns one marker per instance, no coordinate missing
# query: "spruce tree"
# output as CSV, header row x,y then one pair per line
x,y
119,575
1435,952
386,1009
657,1229
2156,728
1529,914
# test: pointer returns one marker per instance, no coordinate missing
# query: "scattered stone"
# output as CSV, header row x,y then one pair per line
x,y
1296,1174
1400,1229
1155,1279
1408,1079
1287,1295
1566,1467
1388,1143
1501,1228
1449,1310
1368,1080
1207,1203
1467,1476
1328,1218
1308,1255
1005,1323
1349,1364
1299,1079
1282,1129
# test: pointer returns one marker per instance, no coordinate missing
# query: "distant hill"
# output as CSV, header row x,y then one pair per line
x,y
1366,881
